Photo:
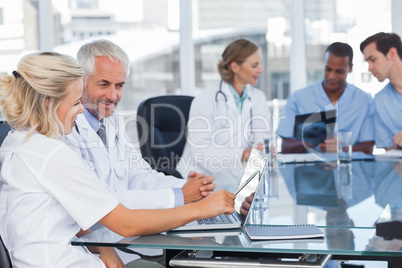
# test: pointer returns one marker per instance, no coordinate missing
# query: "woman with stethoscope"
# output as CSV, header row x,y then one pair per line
x,y
229,118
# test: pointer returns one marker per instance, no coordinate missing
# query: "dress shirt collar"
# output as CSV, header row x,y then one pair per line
x,y
239,100
93,122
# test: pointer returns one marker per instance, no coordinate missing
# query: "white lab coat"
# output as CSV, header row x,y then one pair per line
x,y
218,133
46,195
121,165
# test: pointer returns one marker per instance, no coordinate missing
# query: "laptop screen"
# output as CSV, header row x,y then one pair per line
x,y
256,163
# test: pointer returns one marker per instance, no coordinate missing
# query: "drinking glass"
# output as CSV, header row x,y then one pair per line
x,y
344,140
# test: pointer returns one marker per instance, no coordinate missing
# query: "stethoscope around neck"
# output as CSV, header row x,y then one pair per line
x,y
220,92
226,103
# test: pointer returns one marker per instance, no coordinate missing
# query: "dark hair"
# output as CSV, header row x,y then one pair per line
x,y
237,51
339,49
384,41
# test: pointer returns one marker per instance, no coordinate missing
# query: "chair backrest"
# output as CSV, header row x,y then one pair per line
x,y
161,126
5,260
4,129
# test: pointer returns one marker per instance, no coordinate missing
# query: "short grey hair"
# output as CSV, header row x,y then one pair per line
x,y
101,48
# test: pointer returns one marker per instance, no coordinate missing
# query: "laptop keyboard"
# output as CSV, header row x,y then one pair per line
x,y
217,219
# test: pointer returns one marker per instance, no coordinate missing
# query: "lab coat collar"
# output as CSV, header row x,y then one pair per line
x,y
87,134
230,102
247,104
83,126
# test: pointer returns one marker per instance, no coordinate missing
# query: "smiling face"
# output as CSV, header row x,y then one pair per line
x,y
336,72
379,64
249,71
71,106
104,87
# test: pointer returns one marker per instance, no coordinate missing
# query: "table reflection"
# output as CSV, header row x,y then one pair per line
x,y
331,189
213,239
388,184
333,197
326,186
388,194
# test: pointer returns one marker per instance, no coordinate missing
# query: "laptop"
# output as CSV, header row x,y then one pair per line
x,y
253,170
316,127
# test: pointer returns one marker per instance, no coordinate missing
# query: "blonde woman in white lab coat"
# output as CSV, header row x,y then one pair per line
x,y
229,118
47,195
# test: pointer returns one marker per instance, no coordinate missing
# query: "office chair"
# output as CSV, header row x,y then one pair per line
x,y
5,260
161,126
4,129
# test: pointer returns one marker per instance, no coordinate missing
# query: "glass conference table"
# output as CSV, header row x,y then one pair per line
x,y
345,201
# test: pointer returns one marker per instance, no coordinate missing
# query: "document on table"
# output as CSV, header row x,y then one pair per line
x,y
319,157
391,154
306,157
268,232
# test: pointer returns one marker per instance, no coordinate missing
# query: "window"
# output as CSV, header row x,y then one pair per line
x,y
148,31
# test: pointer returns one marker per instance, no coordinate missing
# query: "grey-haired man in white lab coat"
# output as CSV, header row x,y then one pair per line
x,y
115,161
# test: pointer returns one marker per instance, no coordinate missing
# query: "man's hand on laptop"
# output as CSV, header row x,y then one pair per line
x,y
246,153
245,206
197,187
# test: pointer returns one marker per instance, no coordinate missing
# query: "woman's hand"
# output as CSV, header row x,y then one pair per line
x,y
110,258
220,202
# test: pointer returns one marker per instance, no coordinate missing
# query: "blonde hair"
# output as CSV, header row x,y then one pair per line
x,y
31,96
237,51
